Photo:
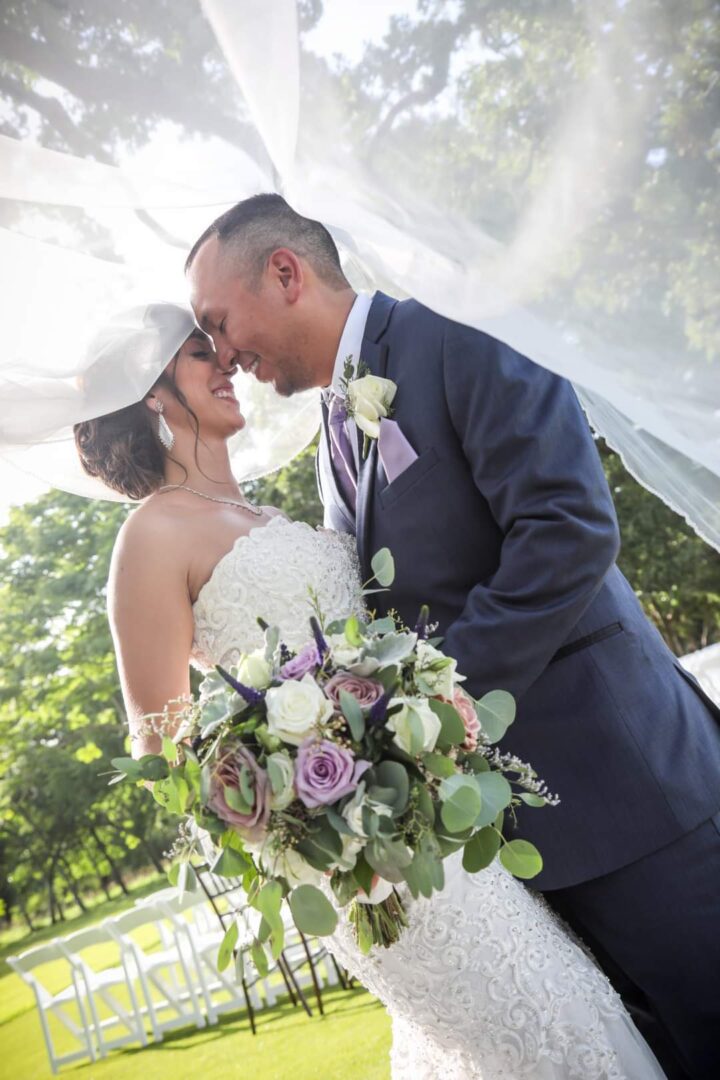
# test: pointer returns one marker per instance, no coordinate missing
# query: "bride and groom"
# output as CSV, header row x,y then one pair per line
x,y
483,480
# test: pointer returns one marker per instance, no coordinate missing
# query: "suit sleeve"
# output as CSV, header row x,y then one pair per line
x,y
534,461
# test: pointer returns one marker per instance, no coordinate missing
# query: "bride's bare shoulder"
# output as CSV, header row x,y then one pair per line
x,y
150,535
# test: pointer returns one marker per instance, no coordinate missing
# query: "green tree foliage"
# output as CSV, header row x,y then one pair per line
x,y
62,829
674,573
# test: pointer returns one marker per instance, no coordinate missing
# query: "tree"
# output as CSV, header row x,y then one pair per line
x,y
62,828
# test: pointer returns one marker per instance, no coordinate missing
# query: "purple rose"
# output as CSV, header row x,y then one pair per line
x,y
365,691
226,774
325,772
303,664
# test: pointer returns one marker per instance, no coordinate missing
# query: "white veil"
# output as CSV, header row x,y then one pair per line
x,y
546,172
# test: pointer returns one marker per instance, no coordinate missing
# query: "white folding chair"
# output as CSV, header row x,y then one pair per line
x,y
112,1002
164,965
69,1005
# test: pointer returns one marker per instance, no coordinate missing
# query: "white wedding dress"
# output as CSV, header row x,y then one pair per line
x,y
485,983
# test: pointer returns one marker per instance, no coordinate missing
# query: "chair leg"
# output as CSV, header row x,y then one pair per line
x,y
341,973
284,969
313,974
250,1010
296,986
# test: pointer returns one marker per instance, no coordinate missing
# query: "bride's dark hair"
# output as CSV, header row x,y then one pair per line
x,y
122,448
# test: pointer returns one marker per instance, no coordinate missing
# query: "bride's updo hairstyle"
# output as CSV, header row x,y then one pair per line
x,y
122,448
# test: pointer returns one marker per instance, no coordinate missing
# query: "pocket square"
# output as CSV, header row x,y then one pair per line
x,y
396,453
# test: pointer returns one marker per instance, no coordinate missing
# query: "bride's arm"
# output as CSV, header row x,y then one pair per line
x,y
151,620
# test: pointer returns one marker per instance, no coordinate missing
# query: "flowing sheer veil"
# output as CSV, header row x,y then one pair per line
x,y
546,172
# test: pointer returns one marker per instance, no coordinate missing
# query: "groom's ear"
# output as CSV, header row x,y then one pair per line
x,y
287,271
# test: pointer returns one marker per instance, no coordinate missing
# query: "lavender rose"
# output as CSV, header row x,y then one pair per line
x,y
303,664
225,789
365,691
325,772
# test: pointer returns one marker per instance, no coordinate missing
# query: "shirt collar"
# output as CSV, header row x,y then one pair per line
x,y
351,340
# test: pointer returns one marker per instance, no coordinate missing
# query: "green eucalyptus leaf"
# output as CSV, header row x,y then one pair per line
x,y
521,858
531,799
385,625
227,945
383,567
128,767
338,822
496,712
393,776
387,676
363,873
245,780
311,910
235,800
480,850
496,796
452,731
353,714
169,749
388,858
276,776
461,802
439,765
260,959
230,863
424,802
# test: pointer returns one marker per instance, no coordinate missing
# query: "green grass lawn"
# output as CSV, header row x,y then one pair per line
x,y
351,1041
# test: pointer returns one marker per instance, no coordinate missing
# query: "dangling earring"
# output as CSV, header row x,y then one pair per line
x,y
164,431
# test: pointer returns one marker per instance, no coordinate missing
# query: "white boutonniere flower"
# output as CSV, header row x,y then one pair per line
x,y
368,400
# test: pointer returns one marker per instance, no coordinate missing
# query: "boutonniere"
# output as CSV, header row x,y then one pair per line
x,y
368,399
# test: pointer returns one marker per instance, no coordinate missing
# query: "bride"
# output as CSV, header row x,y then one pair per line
x,y
485,983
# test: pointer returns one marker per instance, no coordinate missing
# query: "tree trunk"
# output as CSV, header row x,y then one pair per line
x,y
56,911
106,855
72,885
102,880
25,914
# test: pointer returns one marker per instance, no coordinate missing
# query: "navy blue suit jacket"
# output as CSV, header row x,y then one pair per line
x,y
504,525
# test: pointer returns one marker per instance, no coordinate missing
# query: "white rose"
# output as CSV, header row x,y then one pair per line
x,y
442,679
286,863
351,849
349,657
370,398
281,770
254,670
353,809
343,653
402,722
296,709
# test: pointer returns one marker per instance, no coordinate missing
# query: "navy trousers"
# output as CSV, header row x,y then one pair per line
x,y
655,927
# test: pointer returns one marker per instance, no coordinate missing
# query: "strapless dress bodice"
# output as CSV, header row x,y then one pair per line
x,y
277,572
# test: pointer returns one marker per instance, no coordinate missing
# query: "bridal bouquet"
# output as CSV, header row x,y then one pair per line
x,y
347,767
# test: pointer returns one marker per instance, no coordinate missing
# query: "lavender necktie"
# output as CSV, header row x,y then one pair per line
x,y
341,450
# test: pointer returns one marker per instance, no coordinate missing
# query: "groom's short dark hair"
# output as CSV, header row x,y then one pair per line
x,y
252,229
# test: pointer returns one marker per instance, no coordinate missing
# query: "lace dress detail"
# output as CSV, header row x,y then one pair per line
x,y
270,574
485,983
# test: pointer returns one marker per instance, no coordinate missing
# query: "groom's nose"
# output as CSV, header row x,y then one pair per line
x,y
227,358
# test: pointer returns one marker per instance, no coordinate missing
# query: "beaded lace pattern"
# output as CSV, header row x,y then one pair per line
x,y
485,983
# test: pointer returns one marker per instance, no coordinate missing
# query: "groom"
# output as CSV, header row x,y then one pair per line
x,y
485,483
